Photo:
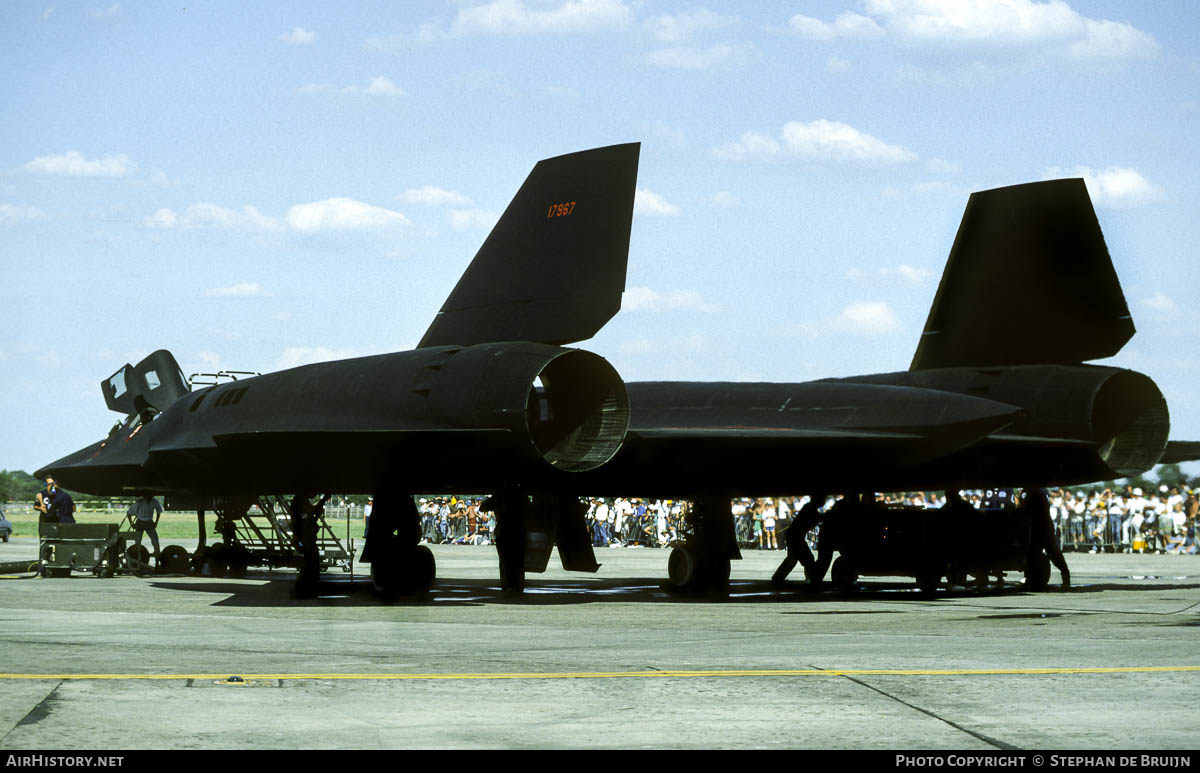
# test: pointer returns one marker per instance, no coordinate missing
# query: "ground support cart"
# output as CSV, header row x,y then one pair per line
x,y
888,542
82,547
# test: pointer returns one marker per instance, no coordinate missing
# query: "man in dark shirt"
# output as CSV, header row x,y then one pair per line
x,y
797,548
1041,534
60,507
146,511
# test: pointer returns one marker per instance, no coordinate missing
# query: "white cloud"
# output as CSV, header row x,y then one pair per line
x,y
16,214
517,17
867,318
645,299
648,203
334,214
1116,187
104,13
73,164
846,25
915,277
1160,301
819,140
1002,27
295,356
692,58
378,87
472,219
676,28
341,214
432,196
211,216
1110,40
239,290
298,37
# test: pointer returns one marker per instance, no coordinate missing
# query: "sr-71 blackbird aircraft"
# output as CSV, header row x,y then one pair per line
x,y
998,393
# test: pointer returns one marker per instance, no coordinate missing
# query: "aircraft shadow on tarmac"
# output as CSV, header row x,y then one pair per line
x,y
277,592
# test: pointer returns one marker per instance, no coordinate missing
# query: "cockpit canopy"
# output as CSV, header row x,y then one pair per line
x,y
153,384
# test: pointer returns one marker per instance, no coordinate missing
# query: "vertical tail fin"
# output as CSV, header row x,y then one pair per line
x,y
1029,281
553,268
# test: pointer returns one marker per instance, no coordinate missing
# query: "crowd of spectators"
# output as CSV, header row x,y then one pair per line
x,y
1127,519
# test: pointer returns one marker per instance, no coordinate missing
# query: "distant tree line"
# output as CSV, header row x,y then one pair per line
x,y
18,486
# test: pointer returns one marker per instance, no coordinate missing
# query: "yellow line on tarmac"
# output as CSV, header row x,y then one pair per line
x,y
631,674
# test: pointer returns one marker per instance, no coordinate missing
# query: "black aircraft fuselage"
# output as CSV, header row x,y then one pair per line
x,y
451,419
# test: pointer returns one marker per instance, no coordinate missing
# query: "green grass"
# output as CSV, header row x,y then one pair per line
x,y
172,527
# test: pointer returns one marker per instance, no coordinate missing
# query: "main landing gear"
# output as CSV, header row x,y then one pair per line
x,y
701,562
400,566
530,525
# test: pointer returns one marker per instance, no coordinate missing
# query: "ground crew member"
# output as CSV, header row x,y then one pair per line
x,y
60,507
304,532
797,546
40,505
146,511
1041,532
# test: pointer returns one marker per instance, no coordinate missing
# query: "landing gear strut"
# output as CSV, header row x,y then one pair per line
x,y
399,565
510,508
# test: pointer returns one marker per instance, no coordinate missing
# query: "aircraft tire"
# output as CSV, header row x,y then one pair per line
x,y
139,558
393,575
844,577
175,559
422,569
682,568
1037,573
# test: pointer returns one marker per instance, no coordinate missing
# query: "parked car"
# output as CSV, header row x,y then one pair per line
x,y
5,527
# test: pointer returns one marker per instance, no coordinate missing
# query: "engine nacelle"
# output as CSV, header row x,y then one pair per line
x,y
1121,413
570,404
1129,409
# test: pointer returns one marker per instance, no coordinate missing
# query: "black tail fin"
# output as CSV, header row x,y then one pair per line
x,y
1029,281
553,268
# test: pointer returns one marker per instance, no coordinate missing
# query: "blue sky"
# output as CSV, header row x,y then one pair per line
x,y
256,186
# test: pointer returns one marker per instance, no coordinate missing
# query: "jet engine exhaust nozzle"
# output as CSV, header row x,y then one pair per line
x,y
577,411
1131,410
